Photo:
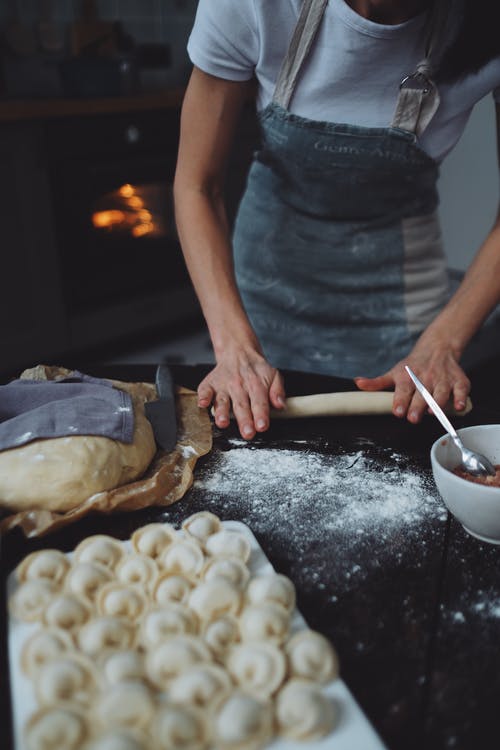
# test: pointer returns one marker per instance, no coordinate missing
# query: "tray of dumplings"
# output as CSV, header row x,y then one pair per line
x,y
175,638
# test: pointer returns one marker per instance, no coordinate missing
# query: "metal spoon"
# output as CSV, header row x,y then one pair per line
x,y
473,463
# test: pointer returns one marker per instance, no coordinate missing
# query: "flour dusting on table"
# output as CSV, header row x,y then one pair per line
x,y
355,502
351,492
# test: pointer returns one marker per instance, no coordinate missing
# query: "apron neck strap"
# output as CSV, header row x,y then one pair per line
x,y
303,37
418,98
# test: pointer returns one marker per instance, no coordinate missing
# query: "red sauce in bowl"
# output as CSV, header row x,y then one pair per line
x,y
489,481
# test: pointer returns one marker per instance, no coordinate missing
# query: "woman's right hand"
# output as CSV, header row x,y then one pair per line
x,y
246,384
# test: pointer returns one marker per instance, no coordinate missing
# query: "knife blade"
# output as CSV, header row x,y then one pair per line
x,y
161,413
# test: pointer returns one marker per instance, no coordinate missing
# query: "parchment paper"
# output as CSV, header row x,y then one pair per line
x,y
166,480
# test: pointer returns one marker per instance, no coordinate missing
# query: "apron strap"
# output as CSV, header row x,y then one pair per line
x,y
300,45
417,103
418,98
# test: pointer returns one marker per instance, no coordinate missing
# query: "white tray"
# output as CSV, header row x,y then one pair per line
x,y
352,732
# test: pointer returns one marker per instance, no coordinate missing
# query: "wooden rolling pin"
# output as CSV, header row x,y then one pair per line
x,y
347,403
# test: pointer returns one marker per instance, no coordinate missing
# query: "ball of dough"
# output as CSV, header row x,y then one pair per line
x,y
58,474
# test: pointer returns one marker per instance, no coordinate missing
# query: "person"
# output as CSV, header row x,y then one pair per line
x,y
335,264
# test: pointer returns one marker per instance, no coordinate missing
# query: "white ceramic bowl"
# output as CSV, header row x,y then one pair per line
x,y
476,506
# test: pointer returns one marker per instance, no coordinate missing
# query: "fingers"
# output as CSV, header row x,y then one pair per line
x,y
442,376
205,395
404,393
375,384
246,391
277,394
222,407
461,391
452,382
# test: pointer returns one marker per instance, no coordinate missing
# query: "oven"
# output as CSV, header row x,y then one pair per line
x,y
121,266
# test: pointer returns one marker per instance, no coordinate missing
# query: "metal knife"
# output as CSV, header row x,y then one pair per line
x,y
161,413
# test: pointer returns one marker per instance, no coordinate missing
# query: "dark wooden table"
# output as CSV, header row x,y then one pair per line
x,y
418,632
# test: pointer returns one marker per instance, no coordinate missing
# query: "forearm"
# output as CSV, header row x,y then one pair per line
x,y
476,296
204,236
210,112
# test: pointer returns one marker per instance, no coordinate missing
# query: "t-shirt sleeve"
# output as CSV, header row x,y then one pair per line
x,y
223,40
496,95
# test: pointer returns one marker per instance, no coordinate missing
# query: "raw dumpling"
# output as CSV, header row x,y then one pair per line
x,y
71,677
257,666
152,539
45,564
42,646
31,599
231,568
103,633
177,727
202,686
163,623
119,739
183,558
310,655
127,704
66,611
138,570
229,543
56,728
212,599
221,634
122,666
100,548
273,587
117,599
242,721
201,525
172,588
303,711
264,622
167,660
84,579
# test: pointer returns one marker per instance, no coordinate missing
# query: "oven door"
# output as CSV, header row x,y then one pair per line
x,y
120,256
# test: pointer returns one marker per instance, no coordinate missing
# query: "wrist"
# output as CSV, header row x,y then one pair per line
x,y
237,337
442,337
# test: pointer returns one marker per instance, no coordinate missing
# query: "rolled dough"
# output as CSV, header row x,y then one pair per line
x,y
60,473
346,404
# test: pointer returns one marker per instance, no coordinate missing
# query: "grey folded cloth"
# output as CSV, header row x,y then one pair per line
x,y
76,405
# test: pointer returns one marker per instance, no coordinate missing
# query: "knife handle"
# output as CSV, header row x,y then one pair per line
x,y
164,381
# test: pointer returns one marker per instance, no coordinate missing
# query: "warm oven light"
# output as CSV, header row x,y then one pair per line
x,y
141,229
135,202
103,219
126,191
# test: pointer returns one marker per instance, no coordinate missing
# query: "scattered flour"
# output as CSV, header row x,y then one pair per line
x,y
362,505
479,604
352,493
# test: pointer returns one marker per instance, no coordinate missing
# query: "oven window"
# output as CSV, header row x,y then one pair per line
x,y
113,210
134,212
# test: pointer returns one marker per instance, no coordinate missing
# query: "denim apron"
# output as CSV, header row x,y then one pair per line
x,y
337,246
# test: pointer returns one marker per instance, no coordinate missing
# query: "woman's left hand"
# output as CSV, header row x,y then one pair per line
x,y
437,367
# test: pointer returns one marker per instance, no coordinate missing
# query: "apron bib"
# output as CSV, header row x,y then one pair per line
x,y
337,246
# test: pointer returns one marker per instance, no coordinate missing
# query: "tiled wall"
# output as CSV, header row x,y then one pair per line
x,y
164,21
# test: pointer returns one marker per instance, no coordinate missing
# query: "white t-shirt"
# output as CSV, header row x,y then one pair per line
x,y
352,74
